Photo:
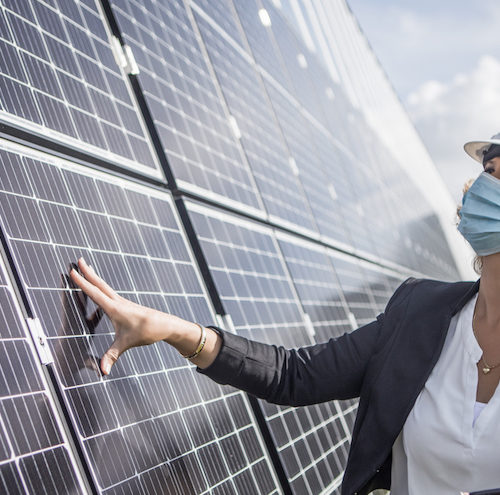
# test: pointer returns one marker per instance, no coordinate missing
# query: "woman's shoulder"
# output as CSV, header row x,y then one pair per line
x,y
428,291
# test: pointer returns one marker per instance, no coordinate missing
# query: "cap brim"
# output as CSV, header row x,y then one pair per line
x,y
475,149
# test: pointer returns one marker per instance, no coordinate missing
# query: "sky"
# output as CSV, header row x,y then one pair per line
x,y
443,60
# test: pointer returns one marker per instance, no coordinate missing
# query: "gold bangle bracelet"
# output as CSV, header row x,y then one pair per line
x,y
201,344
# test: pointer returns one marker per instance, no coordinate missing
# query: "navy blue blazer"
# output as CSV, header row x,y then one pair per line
x,y
385,363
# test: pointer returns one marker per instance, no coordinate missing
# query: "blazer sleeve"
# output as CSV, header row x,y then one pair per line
x,y
299,377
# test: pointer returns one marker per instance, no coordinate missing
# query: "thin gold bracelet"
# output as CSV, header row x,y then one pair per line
x,y
201,344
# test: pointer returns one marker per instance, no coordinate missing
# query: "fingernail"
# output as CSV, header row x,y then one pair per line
x,y
107,369
83,260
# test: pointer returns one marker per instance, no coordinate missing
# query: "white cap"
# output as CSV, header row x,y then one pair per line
x,y
476,149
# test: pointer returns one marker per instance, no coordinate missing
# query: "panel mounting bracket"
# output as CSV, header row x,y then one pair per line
x,y
40,340
309,326
352,320
124,57
225,322
293,166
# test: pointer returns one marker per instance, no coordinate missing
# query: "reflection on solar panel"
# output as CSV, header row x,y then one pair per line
x,y
261,138
261,41
153,418
300,220
188,114
323,176
224,14
295,56
60,80
34,452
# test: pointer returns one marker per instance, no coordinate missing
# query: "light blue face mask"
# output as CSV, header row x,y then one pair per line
x,y
480,215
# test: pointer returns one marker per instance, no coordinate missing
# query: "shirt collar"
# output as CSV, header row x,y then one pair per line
x,y
465,326
470,291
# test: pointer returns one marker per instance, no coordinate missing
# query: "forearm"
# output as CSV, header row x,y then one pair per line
x,y
322,372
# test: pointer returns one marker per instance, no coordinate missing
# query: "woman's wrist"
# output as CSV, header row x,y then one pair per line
x,y
187,338
200,346
180,333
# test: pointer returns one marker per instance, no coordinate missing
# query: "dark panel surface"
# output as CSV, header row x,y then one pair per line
x,y
261,137
60,79
355,287
154,422
322,174
34,453
257,292
317,286
358,194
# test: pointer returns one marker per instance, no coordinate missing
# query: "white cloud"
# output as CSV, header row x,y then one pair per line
x,y
416,41
449,114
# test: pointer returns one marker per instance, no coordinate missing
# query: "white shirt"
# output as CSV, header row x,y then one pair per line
x,y
441,450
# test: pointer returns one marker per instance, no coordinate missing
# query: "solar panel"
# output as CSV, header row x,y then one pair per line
x,y
59,80
154,421
295,56
261,41
436,256
190,119
317,286
305,221
256,290
336,108
322,175
226,17
260,135
407,220
314,275
355,287
337,292
35,456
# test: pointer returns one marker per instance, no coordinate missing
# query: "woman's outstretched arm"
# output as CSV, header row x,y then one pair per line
x,y
137,325
318,373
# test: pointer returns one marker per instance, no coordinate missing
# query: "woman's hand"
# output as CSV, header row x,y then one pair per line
x,y
137,325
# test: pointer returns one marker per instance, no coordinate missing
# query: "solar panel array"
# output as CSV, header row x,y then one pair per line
x,y
60,80
227,180
150,420
256,290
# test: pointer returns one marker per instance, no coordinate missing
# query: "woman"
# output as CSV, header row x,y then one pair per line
x,y
426,370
